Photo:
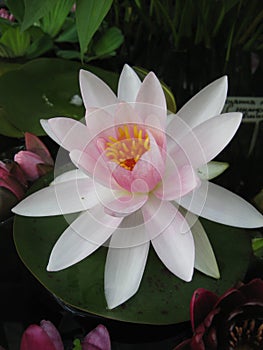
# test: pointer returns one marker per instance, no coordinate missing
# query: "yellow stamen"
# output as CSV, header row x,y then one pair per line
x,y
131,143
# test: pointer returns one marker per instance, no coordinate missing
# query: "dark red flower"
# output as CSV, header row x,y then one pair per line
x,y
233,321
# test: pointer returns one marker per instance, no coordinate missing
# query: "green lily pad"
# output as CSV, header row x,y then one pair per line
x,y
162,297
43,88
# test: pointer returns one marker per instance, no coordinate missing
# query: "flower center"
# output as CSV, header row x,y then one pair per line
x,y
247,335
131,143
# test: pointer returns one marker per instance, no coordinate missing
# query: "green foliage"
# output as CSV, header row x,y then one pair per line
x,y
53,21
41,88
34,10
108,42
89,16
77,345
16,41
257,245
17,8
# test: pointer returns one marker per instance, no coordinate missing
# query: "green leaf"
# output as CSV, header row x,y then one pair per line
x,y
257,245
42,89
6,128
77,344
161,299
69,32
39,46
109,42
6,52
53,21
68,54
34,10
7,66
17,8
15,40
89,16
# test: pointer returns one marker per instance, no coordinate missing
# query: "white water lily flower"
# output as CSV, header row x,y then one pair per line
x,y
135,172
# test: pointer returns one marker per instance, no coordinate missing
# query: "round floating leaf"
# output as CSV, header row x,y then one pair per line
x,y
43,88
162,297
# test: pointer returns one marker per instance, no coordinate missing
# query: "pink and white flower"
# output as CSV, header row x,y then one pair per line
x,y
136,171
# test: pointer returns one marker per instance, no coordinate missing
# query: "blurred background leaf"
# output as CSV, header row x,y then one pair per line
x,y
89,16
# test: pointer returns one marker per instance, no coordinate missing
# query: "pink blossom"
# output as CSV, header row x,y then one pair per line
x,y
5,14
36,160
97,339
43,337
142,177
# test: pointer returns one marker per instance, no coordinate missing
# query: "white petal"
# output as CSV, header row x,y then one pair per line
x,y
71,133
171,237
207,140
129,84
217,204
205,260
123,273
208,103
45,125
99,120
151,103
86,234
131,232
211,170
126,204
62,198
95,93
69,175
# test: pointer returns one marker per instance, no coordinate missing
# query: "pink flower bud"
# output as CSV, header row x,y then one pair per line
x,y
43,337
97,339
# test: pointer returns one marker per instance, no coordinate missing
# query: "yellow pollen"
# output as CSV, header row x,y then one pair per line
x,y
128,146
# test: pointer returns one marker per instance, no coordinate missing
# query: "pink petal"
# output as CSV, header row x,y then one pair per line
x,y
94,91
208,103
97,339
145,175
70,133
126,204
220,205
207,140
171,237
177,181
35,145
129,84
150,167
28,162
95,168
53,334
35,337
